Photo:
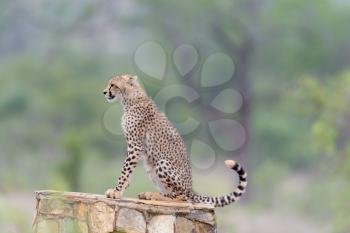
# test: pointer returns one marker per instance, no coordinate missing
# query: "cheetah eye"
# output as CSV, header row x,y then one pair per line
x,y
112,85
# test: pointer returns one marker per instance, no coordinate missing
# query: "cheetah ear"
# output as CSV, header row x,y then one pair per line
x,y
132,79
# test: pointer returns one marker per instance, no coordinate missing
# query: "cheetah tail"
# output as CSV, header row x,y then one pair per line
x,y
232,197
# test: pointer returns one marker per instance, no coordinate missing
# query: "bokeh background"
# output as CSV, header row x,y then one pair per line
x,y
291,66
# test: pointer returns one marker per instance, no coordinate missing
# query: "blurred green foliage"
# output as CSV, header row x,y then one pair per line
x,y
70,168
326,103
55,59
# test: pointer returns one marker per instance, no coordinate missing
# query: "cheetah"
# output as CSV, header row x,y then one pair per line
x,y
151,136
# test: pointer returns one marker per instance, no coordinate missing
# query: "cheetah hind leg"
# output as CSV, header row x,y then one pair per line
x,y
154,196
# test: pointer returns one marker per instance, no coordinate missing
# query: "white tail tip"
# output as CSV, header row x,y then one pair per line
x,y
230,163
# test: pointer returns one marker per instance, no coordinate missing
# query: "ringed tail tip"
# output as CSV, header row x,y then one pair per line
x,y
230,163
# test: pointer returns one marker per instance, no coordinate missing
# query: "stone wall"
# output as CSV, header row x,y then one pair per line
x,y
67,212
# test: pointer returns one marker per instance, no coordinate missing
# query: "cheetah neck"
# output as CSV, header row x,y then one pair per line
x,y
135,101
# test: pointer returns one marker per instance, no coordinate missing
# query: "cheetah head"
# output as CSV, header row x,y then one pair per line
x,y
122,86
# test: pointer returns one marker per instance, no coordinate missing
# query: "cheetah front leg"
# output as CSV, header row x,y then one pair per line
x,y
134,154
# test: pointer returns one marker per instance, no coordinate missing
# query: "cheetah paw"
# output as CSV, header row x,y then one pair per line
x,y
150,196
159,197
112,193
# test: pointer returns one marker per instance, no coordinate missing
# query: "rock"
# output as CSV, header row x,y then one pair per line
x,y
161,224
55,207
101,218
68,212
202,216
183,225
80,211
47,226
204,228
131,221
71,226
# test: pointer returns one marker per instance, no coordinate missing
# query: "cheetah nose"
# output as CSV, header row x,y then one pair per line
x,y
104,92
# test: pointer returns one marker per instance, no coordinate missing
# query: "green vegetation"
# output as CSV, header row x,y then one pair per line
x,y
291,65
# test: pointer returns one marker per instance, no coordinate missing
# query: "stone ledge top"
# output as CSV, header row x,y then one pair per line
x,y
66,212
154,206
